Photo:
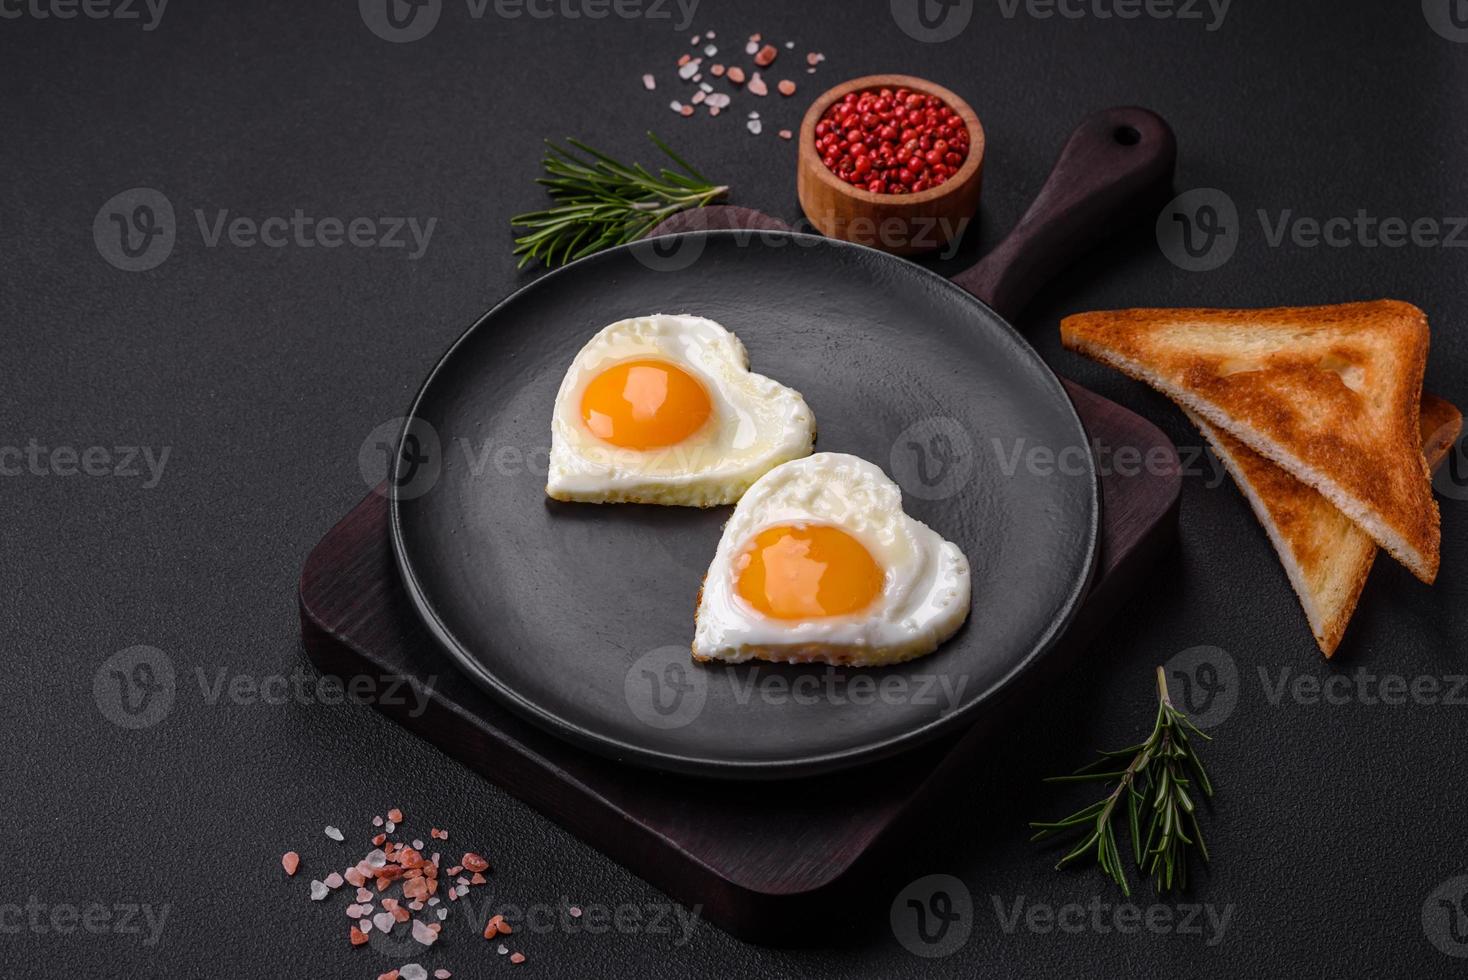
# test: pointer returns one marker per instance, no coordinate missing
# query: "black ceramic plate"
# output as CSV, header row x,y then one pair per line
x,y
580,616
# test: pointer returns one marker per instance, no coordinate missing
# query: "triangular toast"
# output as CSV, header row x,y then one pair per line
x,y
1326,556
1330,393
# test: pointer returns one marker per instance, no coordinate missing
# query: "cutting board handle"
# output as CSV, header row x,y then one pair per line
x,y
1116,167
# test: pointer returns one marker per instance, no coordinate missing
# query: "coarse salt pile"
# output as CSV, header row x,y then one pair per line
x,y
704,59
395,882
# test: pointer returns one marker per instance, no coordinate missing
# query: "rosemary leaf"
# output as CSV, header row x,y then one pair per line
x,y
1155,785
601,201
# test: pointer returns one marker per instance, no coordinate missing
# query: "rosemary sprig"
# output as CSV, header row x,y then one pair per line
x,y
1155,786
601,202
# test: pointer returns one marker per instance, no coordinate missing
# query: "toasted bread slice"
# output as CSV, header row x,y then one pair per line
x,y
1326,556
1330,393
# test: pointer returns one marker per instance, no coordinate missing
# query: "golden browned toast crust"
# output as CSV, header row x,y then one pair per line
x,y
1327,556
1330,393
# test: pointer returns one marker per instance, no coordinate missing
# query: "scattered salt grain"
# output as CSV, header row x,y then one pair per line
x,y
757,85
517,958
290,860
384,921
713,110
334,881
390,826
717,71
575,911
502,949
767,56
412,971
785,134
736,75
755,126
364,895
377,821
443,914
690,69
423,934
719,100
787,87
754,115
319,890
707,88
751,47
364,926
442,974
814,58
433,900
333,833
790,44
376,858
711,50
417,845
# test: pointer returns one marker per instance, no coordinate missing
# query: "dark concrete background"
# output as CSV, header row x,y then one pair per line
x,y
261,371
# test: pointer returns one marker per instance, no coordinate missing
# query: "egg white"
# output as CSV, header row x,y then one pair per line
x,y
925,592
756,424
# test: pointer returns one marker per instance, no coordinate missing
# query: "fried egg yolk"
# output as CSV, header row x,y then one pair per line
x,y
645,404
794,571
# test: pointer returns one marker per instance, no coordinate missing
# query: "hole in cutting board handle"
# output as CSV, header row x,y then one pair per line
x,y
1126,135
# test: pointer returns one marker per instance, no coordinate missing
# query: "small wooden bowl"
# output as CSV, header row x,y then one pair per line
x,y
903,224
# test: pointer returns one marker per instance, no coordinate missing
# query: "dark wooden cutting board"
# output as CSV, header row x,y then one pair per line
x,y
780,866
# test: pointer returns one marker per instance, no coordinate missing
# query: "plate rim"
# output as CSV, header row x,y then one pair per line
x,y
749,770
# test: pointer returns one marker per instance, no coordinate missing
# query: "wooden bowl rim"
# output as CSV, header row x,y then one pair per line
x,y
950,98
